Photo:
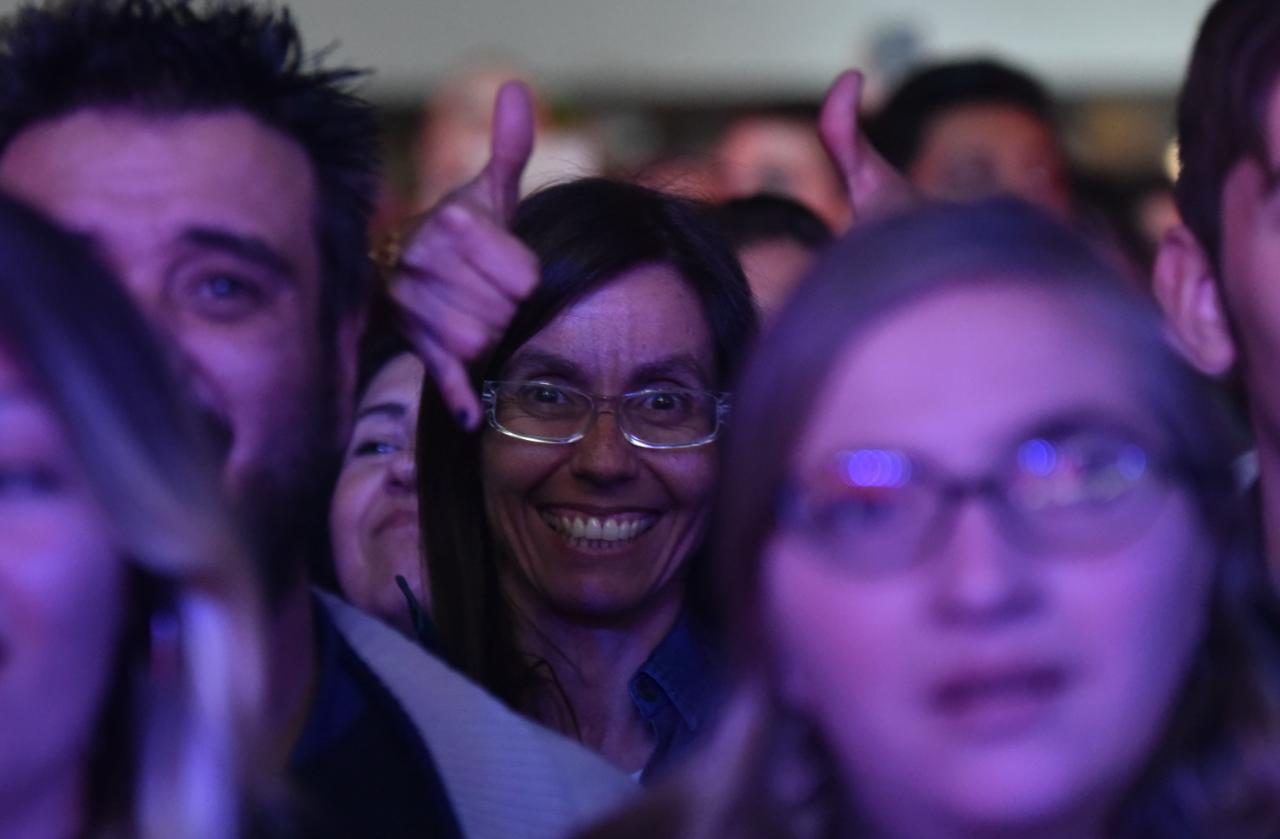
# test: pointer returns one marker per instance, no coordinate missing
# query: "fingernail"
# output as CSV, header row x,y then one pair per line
x,y
464,418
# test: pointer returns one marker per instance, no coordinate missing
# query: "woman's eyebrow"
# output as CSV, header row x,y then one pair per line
x,y
1080,417
394,410
682,365
546,363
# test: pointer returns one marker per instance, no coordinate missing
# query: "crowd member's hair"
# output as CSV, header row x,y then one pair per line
x,y
168,58
381,342
170,751
766,218
899,129
1213,771
1222,111
585,233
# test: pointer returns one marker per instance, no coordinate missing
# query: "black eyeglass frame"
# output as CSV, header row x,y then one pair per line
x,y
795,511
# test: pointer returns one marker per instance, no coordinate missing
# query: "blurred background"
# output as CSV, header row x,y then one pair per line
x,y
668,90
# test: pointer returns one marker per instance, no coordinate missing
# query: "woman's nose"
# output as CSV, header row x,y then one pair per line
x,y
603,455
981,574
402,470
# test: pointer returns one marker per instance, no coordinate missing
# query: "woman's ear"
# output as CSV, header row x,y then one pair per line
x,y
1187,288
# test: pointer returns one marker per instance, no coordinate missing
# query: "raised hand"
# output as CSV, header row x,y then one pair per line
x,y
873,186
461,273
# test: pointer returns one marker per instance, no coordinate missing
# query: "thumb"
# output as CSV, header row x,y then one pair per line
x,y
838,125
511,143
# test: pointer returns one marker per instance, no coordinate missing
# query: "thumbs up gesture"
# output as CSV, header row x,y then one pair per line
x,y
873,186
461,273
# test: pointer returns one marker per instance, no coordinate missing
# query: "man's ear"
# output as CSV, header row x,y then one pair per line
x,y
1188,291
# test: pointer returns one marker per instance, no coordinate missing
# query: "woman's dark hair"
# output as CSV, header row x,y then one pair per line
x,y
1213,772
381,342
585,233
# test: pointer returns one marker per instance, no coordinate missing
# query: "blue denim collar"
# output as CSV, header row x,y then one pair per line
x,y
678,689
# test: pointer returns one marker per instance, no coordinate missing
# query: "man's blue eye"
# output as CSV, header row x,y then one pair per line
x,y
223,286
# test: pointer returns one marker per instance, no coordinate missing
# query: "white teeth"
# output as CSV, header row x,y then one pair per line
x,y
594,529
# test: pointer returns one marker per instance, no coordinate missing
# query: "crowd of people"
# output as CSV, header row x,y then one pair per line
x,y
600,510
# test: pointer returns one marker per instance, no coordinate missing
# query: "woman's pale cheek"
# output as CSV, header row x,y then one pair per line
x,y
846,660
1147,618
63,607
824,647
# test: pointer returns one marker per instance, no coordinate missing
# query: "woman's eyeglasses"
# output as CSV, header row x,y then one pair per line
x,y
1077,490
653,418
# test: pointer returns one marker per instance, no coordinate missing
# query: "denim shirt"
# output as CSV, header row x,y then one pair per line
x,y
678,692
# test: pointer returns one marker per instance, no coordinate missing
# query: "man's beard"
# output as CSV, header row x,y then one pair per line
x,y
281,501
283,509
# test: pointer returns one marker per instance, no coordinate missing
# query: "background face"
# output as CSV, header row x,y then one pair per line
x,y
374,517
991,684
644,329
975,151
1249,272
61,594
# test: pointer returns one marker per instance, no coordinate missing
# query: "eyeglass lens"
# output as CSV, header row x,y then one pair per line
x,y
661,417
1085,490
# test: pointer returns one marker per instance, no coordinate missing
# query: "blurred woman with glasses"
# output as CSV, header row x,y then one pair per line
x,y
985,569
565,538
130,657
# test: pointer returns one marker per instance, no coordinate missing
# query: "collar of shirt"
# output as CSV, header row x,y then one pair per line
x,y
677,691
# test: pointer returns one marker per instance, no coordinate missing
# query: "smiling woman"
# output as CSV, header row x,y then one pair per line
x,y
373,517
985,567
130,659
564,538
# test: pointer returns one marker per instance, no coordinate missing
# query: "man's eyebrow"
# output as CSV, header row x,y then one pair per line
x,y
393,410
249,248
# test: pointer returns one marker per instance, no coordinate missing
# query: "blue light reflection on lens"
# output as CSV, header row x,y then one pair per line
x,y
876,468
1132,462
1039,457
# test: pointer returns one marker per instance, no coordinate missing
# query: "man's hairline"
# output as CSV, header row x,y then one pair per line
x,y
345,310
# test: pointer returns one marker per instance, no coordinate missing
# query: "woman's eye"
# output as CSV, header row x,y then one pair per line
x,y
664,401
865,509
542,395
373,448
1079,471
547,395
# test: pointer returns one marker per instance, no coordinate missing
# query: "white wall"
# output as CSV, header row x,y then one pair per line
x,y
675,48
